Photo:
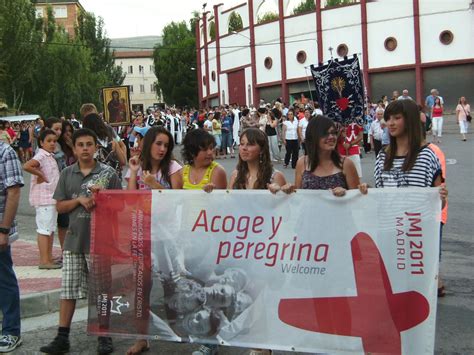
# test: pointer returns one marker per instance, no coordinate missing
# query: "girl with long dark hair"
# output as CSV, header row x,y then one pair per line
x,y
323,168
254,169
155,168
111,150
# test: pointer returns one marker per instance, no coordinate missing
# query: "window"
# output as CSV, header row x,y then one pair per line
x,y
446,37
130,69
141,69
268,62
390,44
142,88
342,50
131,89
39,12
60,11
235,22
301,57
152,87
213,75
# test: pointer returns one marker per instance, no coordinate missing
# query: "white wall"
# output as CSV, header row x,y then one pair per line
x,y
300,34
212,67
336,32
248,81
235,50
243,11
457,18
147,78
225,88
382,24
203,72
264,35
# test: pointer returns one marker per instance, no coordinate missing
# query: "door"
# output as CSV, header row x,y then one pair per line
x,y
236,81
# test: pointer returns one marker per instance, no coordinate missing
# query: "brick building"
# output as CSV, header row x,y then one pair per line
x,y
65,12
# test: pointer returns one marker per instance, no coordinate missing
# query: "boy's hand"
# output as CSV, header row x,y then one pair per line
x,y
87,202
3,241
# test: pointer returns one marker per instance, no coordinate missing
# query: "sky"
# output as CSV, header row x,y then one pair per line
x,y
131,18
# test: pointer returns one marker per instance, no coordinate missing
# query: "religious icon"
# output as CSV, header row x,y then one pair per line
x,y
116,105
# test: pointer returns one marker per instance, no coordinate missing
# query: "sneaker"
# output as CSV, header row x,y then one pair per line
x,y
59,345
206,350
9,343
105,345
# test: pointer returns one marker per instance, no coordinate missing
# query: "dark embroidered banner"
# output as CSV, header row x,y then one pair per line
x,y
340,89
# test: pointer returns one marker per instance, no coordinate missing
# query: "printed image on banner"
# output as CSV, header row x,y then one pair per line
x,y
308,272
340,89
120,274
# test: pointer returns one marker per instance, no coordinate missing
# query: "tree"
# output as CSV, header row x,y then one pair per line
x,y
235,22
304,6
267,17
212,30
339,2
173,60
90,32
20,36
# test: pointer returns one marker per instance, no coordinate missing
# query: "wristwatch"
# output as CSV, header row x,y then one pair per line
x,y
4,230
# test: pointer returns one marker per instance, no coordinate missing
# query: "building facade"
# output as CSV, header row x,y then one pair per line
x,y
135,56
65,12
411,44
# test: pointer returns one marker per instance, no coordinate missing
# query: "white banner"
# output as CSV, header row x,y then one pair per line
x,y
307,272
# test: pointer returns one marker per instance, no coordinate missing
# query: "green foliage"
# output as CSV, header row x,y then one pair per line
x,y
173,61
90,32
43,69
267,17
212,30
235,22
19,41
339,2
304,6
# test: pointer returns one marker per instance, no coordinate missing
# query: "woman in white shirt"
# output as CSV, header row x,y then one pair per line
x,y
290,139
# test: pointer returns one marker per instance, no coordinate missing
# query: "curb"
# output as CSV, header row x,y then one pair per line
x,y
40,303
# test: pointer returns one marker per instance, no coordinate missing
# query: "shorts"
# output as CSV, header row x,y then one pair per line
x,y
75,275
46,217
63,220
356,160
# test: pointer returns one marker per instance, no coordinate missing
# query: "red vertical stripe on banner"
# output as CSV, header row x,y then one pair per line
x,y
119,279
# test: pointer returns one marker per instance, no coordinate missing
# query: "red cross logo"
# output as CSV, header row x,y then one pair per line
x,y
376,314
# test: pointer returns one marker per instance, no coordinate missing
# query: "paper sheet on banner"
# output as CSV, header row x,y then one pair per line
x,y
306,271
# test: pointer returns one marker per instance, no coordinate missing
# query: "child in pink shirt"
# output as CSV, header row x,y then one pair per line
x,y
45,176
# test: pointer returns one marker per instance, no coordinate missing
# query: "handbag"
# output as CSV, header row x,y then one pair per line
x,y
468,117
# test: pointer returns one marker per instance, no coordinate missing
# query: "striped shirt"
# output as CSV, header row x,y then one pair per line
x,y
11,174
42,194
423,173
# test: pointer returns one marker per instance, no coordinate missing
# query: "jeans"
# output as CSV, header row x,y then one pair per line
x,y
10,295
226,141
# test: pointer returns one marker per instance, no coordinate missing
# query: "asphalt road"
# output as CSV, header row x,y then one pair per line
x,y
455,318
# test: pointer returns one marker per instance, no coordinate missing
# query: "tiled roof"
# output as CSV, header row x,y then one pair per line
x,y
135,44
133,54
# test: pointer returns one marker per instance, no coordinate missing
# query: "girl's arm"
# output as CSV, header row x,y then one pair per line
x,y
350,172
32,166
133,166
443,191
278,182
284,133
232,180
177,180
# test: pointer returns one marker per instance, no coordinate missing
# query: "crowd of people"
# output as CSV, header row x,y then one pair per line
x,y
72,160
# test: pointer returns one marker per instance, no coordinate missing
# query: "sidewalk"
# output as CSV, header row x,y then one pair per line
x,y
39,289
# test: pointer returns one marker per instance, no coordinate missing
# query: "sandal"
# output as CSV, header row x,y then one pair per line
x,y
139,347
441,291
